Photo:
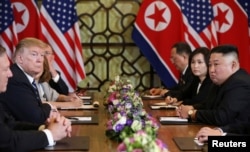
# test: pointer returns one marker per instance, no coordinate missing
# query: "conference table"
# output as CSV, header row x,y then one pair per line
x,y
96,132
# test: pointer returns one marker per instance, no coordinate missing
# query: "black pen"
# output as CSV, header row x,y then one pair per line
x,y
73,118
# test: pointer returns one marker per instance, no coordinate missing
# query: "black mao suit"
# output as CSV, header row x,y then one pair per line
x,y
184,83
190,96
20,99
227,103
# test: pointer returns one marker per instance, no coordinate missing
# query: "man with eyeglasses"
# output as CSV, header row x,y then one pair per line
x,y
56,81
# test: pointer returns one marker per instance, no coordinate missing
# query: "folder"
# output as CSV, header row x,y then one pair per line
x,y
187,144
75,143
152,97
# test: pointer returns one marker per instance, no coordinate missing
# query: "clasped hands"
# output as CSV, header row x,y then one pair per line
x,y
59,126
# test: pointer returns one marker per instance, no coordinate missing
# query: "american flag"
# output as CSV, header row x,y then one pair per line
x,y
61,30
199,28
245,4
8,37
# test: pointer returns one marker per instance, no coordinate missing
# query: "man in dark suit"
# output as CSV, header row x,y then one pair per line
x,y
228,100
56,82
17,136
180,53
238,129
21,99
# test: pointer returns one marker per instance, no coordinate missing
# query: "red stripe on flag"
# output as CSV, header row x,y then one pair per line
x,y
79,66
63,50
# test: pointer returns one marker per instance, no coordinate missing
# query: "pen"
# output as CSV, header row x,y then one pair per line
x,y
73,118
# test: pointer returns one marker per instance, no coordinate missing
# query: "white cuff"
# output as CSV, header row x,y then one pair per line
x,y
49,137
56,78
222,133
42,127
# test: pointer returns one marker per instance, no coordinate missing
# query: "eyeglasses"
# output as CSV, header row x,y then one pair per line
x,y
49,53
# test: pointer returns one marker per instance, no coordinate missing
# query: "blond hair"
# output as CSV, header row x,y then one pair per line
x,y
27,43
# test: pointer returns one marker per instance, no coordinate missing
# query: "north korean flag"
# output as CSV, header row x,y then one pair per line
x,y
231,22
157,27
27,18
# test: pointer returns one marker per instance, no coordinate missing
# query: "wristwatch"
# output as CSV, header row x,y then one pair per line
x,y
190,112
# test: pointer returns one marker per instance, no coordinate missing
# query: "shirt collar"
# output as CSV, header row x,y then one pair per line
x,y
30,78
184,71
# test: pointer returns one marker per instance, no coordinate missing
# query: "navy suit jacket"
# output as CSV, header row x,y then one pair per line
x,y
227,103
20,99
59,86
18,136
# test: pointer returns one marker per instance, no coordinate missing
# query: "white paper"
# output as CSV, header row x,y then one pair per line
x,y
82,107
160,104
85,97
173,119
164,107
81,118
152,96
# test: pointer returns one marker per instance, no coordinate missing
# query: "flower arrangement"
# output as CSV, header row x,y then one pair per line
x,y
121,96
129,123
142,142
122,125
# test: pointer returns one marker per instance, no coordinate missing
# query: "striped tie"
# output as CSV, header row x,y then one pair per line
x,y
36,90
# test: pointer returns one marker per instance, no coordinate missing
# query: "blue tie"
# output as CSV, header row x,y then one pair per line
x,y
36,90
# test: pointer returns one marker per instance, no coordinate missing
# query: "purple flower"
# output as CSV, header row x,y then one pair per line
x,y
129,122
119,127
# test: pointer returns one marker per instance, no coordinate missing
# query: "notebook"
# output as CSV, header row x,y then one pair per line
x,y
75,120
187,144
75,143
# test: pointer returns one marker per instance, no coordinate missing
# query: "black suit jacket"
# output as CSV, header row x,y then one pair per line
x,y
189,94
20,99
184,83
228,103
59,86
18,136
237,129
